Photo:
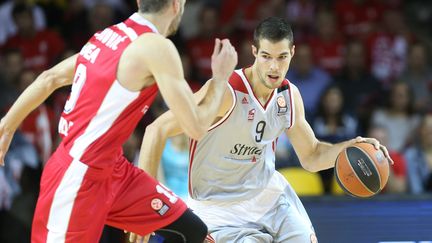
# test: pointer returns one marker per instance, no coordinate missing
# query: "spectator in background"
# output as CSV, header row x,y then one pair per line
x,y
8,26
419,159
301,14
201,47
328,45
361,90
310,79
387,48
11,66
189,24
238,16
36,128
332,125
357,18
39,48
81,22
397,182
418,75
398,117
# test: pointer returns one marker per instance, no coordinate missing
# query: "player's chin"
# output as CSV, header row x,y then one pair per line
x,y
274,82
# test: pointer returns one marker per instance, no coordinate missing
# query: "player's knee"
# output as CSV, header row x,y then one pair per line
x,y
197,231
187,228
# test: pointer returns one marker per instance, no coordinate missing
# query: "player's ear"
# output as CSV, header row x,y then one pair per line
x,y
292,50
254,51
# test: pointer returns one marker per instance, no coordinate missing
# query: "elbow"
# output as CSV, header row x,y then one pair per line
x,y
154,131
309,164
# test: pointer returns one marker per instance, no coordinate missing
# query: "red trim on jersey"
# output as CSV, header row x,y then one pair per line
x,y
192,149
210,239
237,84
253,93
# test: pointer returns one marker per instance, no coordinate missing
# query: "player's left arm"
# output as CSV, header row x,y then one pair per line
x,y
166,126
315,155
44,85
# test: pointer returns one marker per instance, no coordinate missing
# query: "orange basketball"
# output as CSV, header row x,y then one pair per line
x,y
361,170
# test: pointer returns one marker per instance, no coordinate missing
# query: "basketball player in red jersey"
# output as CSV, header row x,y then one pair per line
x,y
87,182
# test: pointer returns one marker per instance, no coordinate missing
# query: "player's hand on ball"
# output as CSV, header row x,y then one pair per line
x,y
223,60
376,144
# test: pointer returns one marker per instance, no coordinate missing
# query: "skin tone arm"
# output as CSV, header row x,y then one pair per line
x,y
313,154
167,126
159,131
44,85
161,61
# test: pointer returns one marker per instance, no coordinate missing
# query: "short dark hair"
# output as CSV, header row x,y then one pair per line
x,y
21,8
273,29
151,6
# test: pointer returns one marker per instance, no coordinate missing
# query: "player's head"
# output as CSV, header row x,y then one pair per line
x,y
158,6
273,49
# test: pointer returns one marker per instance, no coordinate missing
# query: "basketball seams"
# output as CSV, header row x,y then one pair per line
x,y
358,178
374,165
340,182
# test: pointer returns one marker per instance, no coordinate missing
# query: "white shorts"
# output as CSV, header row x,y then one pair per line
x,y
274,215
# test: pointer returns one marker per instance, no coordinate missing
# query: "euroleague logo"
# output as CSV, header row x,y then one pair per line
x,y
156,204
281,105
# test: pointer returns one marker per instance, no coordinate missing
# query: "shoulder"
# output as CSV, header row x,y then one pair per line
x,y
152,47
153,43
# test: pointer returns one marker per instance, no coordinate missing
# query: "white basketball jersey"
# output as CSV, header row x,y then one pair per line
x,y
235,159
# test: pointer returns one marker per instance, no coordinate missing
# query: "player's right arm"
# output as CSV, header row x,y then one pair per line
x,y
163,61
48,81
166,126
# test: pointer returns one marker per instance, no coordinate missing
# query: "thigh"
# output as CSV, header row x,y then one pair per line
x,y
240,235
142,204
70,207
289,225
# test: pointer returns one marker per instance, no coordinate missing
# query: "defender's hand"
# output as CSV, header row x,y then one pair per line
x,y
223,60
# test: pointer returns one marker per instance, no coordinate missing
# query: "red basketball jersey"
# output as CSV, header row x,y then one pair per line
x,y
100,114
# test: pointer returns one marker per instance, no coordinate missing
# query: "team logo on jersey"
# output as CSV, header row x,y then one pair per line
x,y
282,105
251,115
245,100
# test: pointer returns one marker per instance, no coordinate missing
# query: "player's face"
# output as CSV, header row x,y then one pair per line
x,y
272,61
176,22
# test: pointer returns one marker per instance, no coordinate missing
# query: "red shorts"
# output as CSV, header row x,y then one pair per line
x,y
76,201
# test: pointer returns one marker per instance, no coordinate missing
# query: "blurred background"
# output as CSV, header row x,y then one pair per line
x,y
363,68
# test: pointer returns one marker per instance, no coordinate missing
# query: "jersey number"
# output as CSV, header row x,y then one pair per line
x,y
259,131
78,82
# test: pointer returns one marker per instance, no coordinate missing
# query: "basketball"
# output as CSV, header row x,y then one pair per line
x,y
361,170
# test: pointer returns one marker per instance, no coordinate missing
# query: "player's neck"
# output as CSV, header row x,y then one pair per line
x,y
262,92
161,22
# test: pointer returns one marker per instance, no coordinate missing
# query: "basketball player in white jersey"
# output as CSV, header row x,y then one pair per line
x,y
233,185
87,182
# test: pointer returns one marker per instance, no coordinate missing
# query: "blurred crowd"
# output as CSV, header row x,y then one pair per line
x,y
362,66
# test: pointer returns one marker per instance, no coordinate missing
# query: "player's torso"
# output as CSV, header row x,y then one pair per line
x,y
100,113
236,157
